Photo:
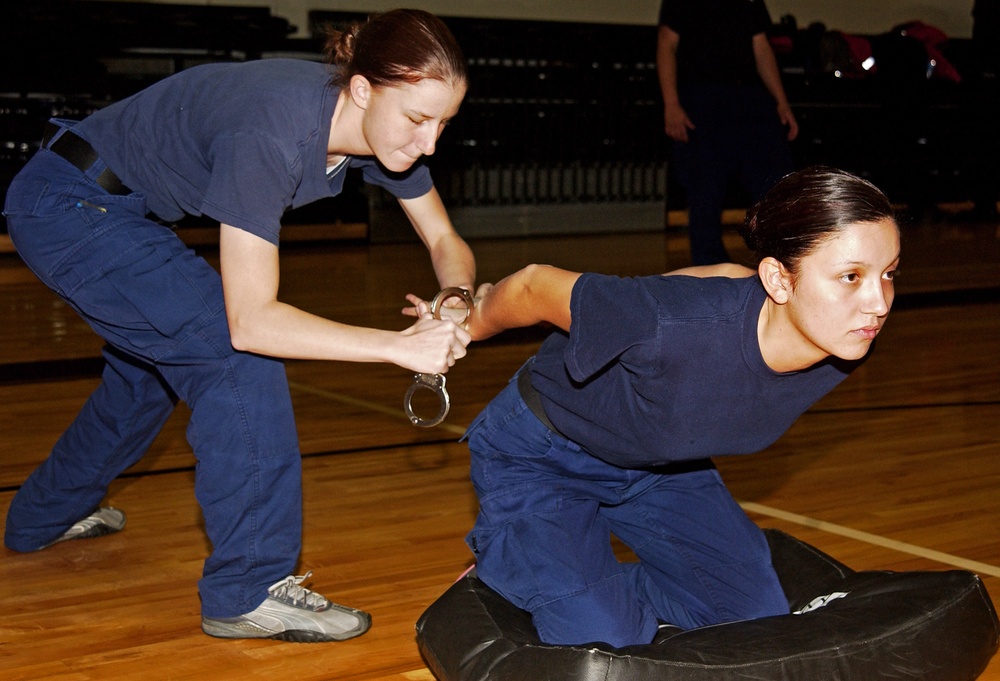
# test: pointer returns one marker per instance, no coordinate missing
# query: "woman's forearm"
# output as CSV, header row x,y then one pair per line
x,y
453,260
535,294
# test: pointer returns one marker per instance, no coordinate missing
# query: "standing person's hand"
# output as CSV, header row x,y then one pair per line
x,y
787,119
676,123
432,346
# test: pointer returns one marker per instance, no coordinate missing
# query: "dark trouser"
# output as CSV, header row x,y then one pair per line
x,y
161,310
738,136
543,537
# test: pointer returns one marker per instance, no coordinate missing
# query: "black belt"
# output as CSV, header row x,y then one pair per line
x,y
78,151
532,398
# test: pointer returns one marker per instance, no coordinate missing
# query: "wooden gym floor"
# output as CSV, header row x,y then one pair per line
x,y
897,469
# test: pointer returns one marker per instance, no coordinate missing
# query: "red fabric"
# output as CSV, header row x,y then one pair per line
x,y
934,40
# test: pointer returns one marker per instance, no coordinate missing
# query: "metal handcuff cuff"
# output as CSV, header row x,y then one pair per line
x,y
436,382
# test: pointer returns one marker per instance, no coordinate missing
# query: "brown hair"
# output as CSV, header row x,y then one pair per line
x,y
805,207
396,47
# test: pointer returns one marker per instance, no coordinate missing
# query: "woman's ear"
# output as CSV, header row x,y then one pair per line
x,y
361,90
777,280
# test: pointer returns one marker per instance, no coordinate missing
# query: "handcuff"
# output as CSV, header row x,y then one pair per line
x,y
436,382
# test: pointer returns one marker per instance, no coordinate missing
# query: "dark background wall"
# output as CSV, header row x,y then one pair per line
x,y
562,126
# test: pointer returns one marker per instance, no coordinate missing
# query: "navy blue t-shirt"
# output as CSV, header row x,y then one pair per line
x,y
668,368
240,143
716,38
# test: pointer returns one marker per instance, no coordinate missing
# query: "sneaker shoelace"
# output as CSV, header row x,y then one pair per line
x,y
290,591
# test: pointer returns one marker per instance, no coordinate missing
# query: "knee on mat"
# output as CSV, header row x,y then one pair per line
x,y
605,613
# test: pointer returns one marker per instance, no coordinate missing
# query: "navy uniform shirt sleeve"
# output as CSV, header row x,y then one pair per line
x,y
610,315
672,15
409,184
254,206
761,18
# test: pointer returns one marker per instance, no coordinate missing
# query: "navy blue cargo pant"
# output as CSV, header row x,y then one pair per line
x,y
160,308
543,537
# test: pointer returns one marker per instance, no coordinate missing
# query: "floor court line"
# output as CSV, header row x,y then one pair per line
x,y
373,406
884,542
753,507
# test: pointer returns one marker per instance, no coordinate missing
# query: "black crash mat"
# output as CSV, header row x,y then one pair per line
x,y
931,626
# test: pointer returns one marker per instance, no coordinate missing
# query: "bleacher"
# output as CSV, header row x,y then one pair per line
x,y
561,130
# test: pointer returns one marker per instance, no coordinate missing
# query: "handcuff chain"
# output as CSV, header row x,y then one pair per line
x,y
436,382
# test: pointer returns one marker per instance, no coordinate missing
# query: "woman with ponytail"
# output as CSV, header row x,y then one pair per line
x,y
611,426
239,143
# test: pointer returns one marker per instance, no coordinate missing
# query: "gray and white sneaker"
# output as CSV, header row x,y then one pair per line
x,y
103,521
293,613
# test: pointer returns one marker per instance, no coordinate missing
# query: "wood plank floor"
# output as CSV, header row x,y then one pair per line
x,y
897,469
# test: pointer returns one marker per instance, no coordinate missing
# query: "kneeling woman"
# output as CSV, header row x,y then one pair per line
x,y
609,428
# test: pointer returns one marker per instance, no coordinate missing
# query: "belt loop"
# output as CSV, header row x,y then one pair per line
x,y
50,134
55,128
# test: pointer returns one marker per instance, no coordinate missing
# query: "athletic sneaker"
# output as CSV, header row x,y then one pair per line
x,y
103,521
293,613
